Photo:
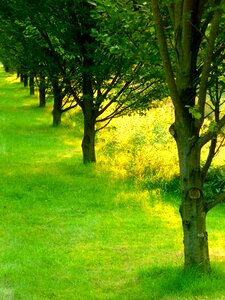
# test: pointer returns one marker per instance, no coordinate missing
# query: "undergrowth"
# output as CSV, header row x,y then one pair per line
x,y
140,147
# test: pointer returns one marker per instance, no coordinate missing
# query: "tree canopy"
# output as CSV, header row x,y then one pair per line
x,y
99,54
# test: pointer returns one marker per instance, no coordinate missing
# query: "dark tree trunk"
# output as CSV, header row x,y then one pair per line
x,y
196,253
57,115
89,113
21,77
31,83
88,142
42,97
7,69
57,107
192,208
25,80
42,92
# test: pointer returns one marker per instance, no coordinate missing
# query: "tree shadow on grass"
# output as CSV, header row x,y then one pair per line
x,y
170,188
168,282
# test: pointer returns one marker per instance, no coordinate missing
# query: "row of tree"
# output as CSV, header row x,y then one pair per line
x,y
93,55
104,56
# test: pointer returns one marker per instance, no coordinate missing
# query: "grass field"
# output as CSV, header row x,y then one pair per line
x,y
70,231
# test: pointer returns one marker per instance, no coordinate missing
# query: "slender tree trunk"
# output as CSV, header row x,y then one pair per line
x,y
25,80
31,83
21,77
57,107
88,142
42,92
7,69
89,114
57,115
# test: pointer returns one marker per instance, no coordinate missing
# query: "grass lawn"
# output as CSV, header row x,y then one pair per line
x,y
70,231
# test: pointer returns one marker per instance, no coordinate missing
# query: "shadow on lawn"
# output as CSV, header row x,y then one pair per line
x,y
167,282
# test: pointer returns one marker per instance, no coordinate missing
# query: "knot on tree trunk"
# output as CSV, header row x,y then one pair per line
x,y
203,235
194,193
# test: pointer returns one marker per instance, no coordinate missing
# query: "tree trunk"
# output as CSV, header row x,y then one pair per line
x,y
89,114
196,252
192,208
57,112
42,92
88,142
57,116
188,84
31,85
7,69
25,80
21,77
57,107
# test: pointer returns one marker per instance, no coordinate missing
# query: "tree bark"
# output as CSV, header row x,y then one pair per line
x,y
196,253
57,107
25,80
57,115
6,68
89,112
192,209
21,77
42,92
31,83
88,142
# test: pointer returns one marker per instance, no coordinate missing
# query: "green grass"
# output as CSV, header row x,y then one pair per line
x,y
70,231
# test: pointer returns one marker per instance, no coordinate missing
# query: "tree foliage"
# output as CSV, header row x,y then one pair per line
x,y
98,53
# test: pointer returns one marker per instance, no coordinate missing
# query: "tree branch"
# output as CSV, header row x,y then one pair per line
x,y
170,78
113,114
114,98
111,85
207,64
204,139
187,28
218,200
210,157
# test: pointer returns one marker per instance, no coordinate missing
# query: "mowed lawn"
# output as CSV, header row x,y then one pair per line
x,y
70,231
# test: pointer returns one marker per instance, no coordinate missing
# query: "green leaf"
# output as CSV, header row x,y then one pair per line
x,y
194,111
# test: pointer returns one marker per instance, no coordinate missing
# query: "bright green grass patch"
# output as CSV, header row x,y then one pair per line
x,y
70,231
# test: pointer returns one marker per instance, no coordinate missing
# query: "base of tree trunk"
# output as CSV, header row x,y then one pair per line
x,y
88,150
56,118
200,268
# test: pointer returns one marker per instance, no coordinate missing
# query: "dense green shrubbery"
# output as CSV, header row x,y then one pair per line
x,y
215,182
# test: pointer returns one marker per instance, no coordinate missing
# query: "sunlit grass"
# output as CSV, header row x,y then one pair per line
x,y
141,146
70,231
